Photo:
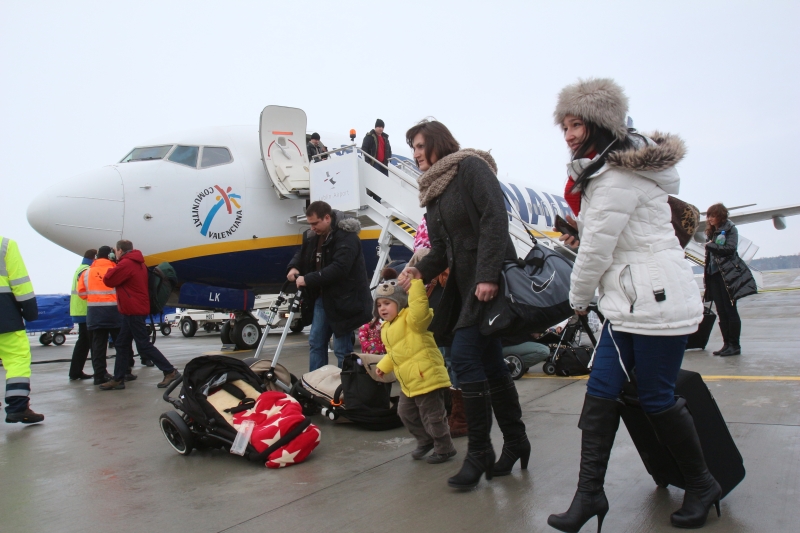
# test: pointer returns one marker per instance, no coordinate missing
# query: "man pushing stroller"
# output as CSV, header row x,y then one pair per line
x,y
412,354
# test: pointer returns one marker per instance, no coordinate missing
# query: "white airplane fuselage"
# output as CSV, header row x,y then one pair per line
x,y
221,226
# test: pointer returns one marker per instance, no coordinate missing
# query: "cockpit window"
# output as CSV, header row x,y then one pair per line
x,y
147,153
213,155
185,155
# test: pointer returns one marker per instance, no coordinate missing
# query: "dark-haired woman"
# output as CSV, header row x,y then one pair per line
x,y
726,276
451,178
629,251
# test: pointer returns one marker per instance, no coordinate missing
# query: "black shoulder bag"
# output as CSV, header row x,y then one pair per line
x,y
533,293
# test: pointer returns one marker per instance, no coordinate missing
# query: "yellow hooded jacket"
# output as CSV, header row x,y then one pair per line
x,y
411,351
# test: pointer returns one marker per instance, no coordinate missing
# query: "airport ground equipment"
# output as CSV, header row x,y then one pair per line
x,y
54,321
721,454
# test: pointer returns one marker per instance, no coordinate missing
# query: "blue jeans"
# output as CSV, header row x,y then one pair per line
x,y
448,363
656,359
318,339
134,329
475,357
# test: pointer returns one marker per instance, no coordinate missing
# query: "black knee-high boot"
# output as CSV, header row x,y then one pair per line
x,y
734,331
480,455
675,430
508,412
599,422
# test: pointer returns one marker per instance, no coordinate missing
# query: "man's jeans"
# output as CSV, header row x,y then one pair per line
x,y
318,339
656,359
134,329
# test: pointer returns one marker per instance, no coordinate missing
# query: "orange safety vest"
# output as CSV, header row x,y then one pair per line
x,y
91,287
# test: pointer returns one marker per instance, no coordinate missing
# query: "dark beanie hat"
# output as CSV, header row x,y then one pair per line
x,y
315,136
103,252
379,124
90,254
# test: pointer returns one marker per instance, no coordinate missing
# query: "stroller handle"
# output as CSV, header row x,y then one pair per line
x,y
172,387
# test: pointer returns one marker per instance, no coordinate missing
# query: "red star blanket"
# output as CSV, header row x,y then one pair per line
x,y
276,414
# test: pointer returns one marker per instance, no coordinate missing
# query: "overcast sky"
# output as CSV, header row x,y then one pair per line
x,y
82,83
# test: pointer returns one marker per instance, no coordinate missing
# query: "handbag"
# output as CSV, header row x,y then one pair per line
x,y
685,219
533,292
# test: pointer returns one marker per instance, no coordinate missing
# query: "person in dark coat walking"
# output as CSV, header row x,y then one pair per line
x,y
474,256
330,268
726,276
376,144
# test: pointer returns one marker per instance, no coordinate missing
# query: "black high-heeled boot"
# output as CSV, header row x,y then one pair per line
x,y
508,413
599,422
675,430
480,455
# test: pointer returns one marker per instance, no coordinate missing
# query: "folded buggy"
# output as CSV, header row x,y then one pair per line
x,y
568,357
354,392
218,394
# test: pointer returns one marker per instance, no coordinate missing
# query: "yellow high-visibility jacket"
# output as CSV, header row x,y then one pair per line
x,y
17,300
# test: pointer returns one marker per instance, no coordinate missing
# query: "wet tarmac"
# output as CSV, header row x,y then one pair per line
x,y
100,463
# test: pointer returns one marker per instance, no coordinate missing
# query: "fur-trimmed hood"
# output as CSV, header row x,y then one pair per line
x,y
346,222
653,157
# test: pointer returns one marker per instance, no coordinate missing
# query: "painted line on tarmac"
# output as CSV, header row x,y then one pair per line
x,y
705,378
783,289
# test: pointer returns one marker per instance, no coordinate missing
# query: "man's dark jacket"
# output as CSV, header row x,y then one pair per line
x,y
472,258
738,279
342,282
370,146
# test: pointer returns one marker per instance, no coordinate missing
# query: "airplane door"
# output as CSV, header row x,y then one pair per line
x,y
282,134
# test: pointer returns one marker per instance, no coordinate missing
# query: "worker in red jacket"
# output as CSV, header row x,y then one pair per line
x,y
130,279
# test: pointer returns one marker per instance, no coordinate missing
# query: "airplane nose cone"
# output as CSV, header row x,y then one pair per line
x,y
83,212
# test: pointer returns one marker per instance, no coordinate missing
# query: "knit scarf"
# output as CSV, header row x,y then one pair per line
x,y
433,182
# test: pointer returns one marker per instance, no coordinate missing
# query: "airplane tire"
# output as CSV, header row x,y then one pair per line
x,y
188,327
247,333
225,333
59,339
166,329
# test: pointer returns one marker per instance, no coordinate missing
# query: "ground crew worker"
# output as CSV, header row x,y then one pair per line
x,y
102,317
77,310
17,301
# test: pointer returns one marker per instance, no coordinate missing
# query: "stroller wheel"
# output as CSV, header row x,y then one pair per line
x,y
176,432
549,368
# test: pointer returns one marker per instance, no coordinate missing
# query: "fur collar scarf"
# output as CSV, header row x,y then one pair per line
x,y
436,179
665,151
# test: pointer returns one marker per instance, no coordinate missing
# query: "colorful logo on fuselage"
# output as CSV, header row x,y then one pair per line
x,y
216,212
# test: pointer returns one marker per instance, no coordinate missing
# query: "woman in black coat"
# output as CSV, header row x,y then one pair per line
x,y
474,256
726,276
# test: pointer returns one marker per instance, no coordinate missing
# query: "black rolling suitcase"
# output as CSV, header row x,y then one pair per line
x,y
723,458
699,338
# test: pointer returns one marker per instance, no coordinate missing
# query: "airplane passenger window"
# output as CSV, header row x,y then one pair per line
x,y
185,155
146,153
213,156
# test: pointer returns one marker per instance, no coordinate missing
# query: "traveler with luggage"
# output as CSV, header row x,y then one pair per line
x,y
131,280
452,176
629,251
102,316
412,354
726,276
78,310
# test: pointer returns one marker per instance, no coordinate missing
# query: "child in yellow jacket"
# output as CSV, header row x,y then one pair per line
x,y
412,354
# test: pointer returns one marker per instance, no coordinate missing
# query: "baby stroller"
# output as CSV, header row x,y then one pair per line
x,y
568,357
218,393
354,392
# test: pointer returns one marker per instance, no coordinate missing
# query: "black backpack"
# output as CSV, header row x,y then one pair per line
x,y
367,402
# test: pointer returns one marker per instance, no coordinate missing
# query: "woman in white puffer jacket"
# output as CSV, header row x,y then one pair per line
x,y
618,185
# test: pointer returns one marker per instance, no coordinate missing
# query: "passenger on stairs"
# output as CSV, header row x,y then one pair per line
x,y
315,147
376,144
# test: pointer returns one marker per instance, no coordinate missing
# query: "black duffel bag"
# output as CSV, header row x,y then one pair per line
x,y
533,295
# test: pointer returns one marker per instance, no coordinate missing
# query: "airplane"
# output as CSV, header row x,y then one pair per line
x,y
225,207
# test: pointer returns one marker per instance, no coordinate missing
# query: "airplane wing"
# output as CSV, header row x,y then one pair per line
x,y
776,214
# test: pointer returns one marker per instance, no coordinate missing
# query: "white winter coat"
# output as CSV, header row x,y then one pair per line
x,y
628,248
